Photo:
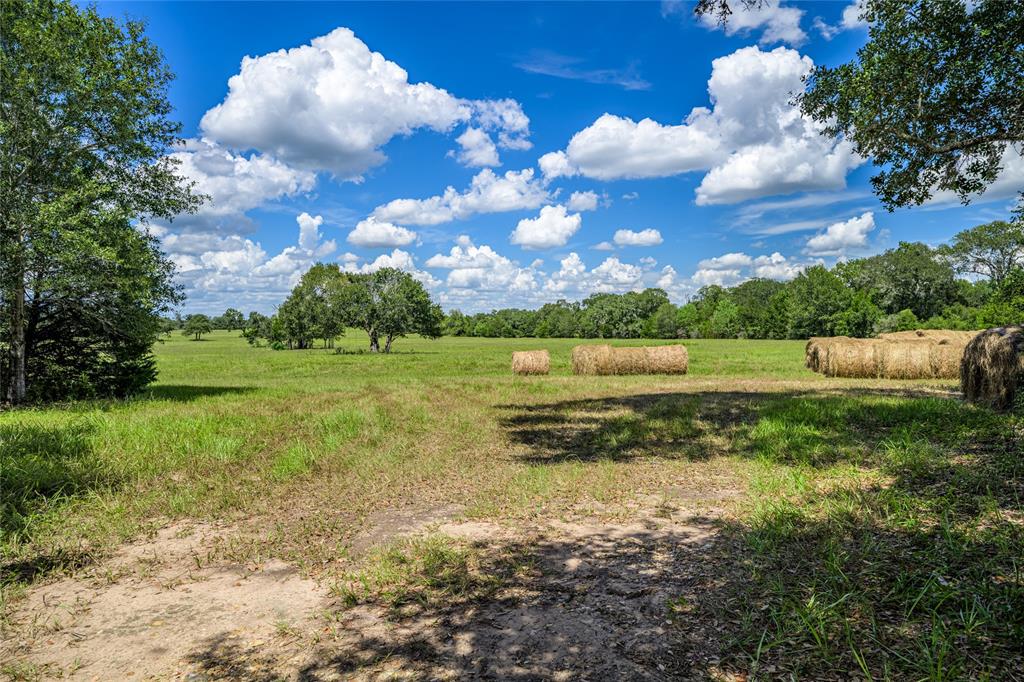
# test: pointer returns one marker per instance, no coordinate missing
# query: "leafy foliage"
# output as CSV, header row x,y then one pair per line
x,y
933,98
84,133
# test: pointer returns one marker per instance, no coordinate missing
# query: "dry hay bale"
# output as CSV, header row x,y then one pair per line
x,y
592,359
531,362
908,359
951,335
674,359
992,371
650,359
629,360
605,359
945,359
816,350
903,336
852,358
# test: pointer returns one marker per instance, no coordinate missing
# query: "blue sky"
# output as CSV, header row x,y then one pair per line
x,y
512,154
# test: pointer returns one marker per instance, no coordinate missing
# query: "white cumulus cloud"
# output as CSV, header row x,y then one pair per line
x,y
583,201
777,23
487,193
840,238
375,233
752,143
648,237
481,268
552,227
333,103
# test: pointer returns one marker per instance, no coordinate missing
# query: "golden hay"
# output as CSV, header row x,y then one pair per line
x,y
604,359
945,359
904,359
674,359
592,359
816,349
992,371
855,358
951,335
531,362
626,360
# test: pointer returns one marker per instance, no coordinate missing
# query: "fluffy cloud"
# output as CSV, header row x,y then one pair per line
x,y
294,260
752,143
477,149
481,268
728,261
332,104
214,269
487,193
398,259
733,268
777,24
614,147
583,201
603,246
648,237
776,266
374,233
842,237
234,184
611,276
850,20
553,227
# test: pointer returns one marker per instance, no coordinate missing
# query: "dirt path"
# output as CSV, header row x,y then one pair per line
x,y
598,599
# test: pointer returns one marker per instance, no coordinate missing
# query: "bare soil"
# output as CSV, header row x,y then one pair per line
x,y
599,598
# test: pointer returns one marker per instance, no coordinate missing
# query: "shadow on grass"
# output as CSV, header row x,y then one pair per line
x,y
886,539
186,393
41,467
591,605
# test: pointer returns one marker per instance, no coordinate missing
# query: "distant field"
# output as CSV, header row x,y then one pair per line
x,y
867,526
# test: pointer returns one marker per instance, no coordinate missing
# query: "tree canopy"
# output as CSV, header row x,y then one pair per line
x,y
84,136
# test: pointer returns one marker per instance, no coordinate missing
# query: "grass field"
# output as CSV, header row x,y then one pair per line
x,y
860,528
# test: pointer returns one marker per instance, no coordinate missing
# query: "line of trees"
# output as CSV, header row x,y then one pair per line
x,y
387,304
908,287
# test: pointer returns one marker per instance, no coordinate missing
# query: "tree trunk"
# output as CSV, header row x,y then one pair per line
x,y
387,343
374,342
16,386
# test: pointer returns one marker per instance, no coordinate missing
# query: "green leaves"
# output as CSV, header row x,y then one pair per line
x,y
934,97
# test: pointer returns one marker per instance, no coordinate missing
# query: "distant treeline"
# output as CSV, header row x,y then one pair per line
x,y
908,287
911,286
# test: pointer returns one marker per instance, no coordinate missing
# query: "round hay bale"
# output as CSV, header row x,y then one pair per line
x,y
945,359
592,359
851,358
629,360
673,359
531,362
816,350
992,370
907,359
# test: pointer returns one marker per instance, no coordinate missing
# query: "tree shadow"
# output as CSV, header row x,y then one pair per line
x,y
596,603
187,393
886,540
41,467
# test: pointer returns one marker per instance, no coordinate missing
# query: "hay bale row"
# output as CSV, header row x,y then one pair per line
x,y
603,359
531,362
992,371
921,358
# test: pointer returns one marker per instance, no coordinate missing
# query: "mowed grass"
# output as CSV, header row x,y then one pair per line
x,y
880,533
